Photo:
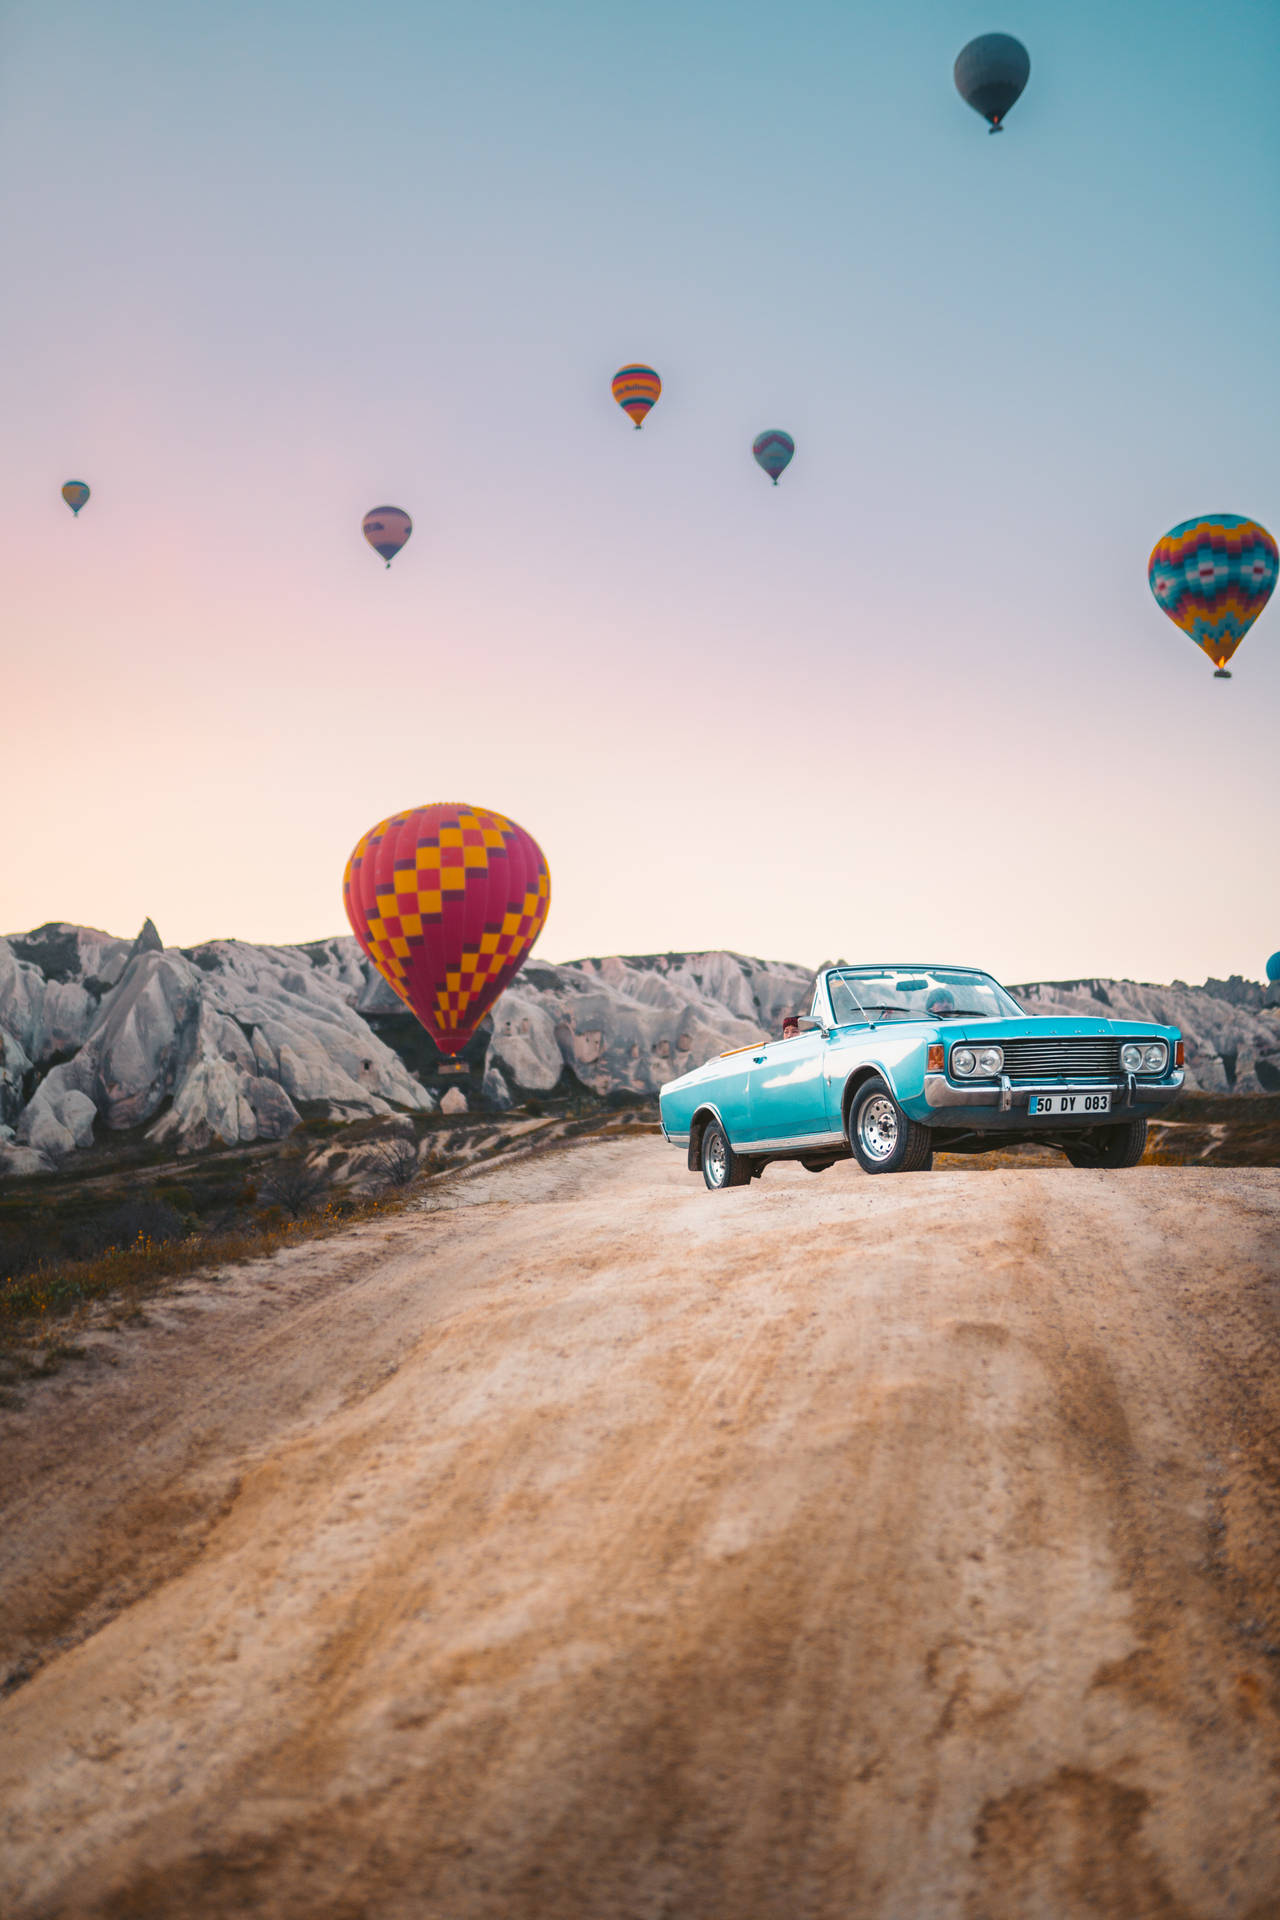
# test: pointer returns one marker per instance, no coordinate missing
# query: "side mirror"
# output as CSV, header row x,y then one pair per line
x,y
808,1024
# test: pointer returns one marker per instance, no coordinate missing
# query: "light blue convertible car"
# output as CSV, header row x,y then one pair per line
x,y
892,1062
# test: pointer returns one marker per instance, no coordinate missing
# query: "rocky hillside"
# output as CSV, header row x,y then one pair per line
x,y
104,1038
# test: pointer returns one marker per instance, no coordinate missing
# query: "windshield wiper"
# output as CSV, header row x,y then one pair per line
x,y
904,1011
958,1013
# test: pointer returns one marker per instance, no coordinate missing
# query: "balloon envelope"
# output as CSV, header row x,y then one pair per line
x,y
386,529
1213,576
773,450
990,73
446,901
635,389
1273,968
75,493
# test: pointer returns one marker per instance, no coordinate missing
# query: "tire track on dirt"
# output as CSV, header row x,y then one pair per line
x,y
844,1550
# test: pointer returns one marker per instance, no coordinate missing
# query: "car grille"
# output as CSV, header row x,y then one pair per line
x,y
1061,1059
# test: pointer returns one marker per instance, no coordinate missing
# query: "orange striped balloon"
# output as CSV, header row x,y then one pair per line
x,y
635,389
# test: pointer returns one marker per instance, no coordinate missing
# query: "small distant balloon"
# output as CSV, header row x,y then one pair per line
x,y
75,493
1273,968
1213,576
636,389
990,73
773,450
446,901
386,529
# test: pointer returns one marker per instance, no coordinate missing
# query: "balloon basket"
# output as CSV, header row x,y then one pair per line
x,y
1220,673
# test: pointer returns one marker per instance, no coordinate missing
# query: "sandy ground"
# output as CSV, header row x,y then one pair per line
x,y
590,1545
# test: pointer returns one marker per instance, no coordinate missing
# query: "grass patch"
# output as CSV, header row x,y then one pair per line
x,y
48,1294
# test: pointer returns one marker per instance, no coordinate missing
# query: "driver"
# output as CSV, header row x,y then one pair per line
x,y
941,1000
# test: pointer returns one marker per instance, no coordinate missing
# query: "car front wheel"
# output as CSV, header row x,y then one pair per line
x,y
1112,1147
883,1139
721,1166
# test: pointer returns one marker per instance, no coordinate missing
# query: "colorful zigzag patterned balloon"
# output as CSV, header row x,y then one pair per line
x,y
1213,576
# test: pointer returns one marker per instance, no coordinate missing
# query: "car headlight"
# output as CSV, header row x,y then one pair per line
x,y
1144,1056
968,1063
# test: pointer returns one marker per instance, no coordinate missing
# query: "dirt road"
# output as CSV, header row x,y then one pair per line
x,y
591,1546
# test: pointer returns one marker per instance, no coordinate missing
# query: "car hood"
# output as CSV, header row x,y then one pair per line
x,y
1046,1027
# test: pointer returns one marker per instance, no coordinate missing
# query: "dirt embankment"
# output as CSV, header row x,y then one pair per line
x,y
590,1545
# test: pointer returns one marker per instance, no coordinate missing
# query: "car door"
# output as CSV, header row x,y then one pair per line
x,y
728,1092
786,1091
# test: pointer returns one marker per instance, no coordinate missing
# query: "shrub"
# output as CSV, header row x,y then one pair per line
x,y
394,1163
296,1185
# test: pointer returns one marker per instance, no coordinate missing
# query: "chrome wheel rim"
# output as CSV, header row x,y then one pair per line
x,y
878,1127
716,1159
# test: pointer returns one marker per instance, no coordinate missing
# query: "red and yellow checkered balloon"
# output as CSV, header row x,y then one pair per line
x,y
446,901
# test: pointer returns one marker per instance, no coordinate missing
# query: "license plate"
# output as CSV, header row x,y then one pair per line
x,y
1069,1103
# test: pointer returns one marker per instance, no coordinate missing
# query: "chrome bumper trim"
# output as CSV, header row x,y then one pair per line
x,y
941,1092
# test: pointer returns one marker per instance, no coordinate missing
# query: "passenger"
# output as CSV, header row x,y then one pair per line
x,y
791,1027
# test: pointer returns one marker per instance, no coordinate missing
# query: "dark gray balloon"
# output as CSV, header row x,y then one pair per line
x,y
990,74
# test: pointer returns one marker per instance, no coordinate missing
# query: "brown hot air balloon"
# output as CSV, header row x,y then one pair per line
x,y
386,529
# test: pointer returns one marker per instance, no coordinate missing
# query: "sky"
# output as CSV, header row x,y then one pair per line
x,y
269,265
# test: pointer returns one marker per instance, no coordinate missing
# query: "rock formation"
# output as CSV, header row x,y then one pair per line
x,y
229,1042
224,1042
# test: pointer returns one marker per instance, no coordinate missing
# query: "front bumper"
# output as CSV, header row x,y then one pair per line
x,y
996,1107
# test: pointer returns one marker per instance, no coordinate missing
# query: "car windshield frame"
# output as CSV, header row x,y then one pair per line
x,y
873,990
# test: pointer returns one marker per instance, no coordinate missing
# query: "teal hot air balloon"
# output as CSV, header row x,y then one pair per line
x,y
1273,968
75,493
990,73
773,450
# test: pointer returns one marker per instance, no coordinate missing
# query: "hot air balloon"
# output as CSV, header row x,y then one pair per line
x,y
447,900
990,73
1213,577
386,529
75,493
636,389
773,450
1273,968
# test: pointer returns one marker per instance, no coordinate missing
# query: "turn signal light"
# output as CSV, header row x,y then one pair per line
x,y
935,1059
1180,1055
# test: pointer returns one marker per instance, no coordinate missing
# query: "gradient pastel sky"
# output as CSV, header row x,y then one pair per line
x,y
269,265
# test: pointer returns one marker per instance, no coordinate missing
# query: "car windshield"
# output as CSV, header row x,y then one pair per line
x,y
917,993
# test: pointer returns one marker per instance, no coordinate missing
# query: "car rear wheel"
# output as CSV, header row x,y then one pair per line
x,y
1112,1147
721,1166
883,1139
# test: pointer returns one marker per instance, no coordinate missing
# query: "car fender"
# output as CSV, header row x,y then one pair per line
x,y
706,1110
860,1071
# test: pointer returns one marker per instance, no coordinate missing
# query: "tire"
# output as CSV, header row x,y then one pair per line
x,y
721,1166
1112,1147
883,1139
